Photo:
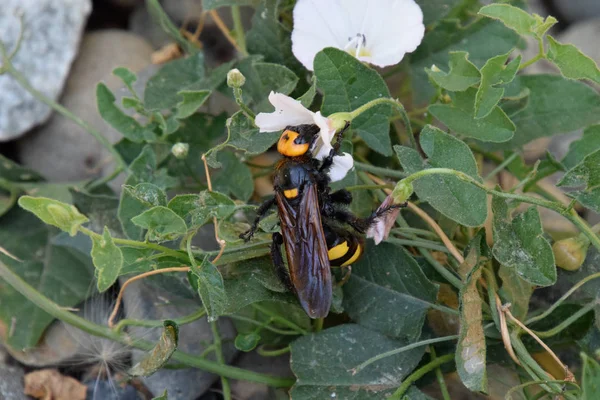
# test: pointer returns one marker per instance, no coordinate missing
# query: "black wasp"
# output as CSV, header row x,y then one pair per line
x,y
309,216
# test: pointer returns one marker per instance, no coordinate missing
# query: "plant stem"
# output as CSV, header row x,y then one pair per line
x,y
59,312
501,166
220,359
9,68
273,353
426,244
440,376
563,298
390,353
541,54
379,171
566,212
267,326
415,376
240,36
564,324
395,104
158,323
509,393
367,187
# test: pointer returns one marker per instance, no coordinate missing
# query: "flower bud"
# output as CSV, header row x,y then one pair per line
x,y
434,68
235,79
339,120
180,150
570,253
402,191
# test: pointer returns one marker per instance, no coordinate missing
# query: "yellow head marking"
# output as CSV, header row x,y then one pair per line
x,y
354,257
338,251
290,193
288,148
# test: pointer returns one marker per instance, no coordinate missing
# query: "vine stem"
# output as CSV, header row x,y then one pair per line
x,y
220,359
509,393
563,298
158,323
59,312
238,29
390,353
221,242
565,211
564,324
129,281
418,374
440,376
9,68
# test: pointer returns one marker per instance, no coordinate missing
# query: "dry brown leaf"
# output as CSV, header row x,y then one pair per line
x,y
49,384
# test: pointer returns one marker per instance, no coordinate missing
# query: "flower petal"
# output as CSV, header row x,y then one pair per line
x,y
288,111
341,165
322,145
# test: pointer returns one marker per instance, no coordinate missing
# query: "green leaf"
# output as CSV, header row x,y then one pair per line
x,y
64,216
11,171
462,75
470,350
115,117
9,194
587,172
164,396
127,76
192,101
482,39
212,4
572,62
158,357
556,105
234,178
348,84
162,223
436,10
307,98
197,209
339,349
144,169
61,269
590,379
246,341
494,73
512,17
243,135
261,79
516,291
458,200
389,293
162,90
108,260
148,194
519,244
269,38
589,143
210,288
160,17
495,127
588,198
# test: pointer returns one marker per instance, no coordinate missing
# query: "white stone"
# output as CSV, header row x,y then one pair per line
x,y
51,35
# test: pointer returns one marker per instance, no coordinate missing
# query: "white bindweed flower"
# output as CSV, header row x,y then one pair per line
x,y
379,32
288,112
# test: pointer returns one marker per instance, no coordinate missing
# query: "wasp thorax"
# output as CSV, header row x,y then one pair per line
x,y
288,145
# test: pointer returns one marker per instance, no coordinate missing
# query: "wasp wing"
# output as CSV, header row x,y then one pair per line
x,y
306,250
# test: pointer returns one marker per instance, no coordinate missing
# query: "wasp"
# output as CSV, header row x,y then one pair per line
x,y
310,217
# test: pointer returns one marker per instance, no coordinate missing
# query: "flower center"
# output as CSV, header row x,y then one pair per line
x,y
356,46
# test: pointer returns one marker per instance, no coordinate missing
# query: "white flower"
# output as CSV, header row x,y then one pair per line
x,y
379,32
288,112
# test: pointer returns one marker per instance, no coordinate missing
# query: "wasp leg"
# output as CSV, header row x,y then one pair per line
x,y
277,257
260,213
346,276
361,225
328,161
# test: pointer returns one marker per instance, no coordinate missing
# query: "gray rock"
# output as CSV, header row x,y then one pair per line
x,y
61,149
182,10
52,31
144,301
577,10
11,383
